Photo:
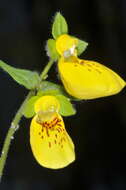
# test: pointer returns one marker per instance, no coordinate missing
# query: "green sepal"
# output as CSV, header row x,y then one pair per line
x,y
81,47
51,89
28,79
59,26
29,107
51,49
66,108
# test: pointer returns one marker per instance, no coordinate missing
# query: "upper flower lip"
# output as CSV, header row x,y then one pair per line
x,y
47,103
65,45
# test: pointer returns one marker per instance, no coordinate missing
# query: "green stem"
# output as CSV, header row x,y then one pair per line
x,y
15,122
46,69
10,134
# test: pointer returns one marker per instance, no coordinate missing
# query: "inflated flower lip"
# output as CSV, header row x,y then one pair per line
x,y
51,145
84,79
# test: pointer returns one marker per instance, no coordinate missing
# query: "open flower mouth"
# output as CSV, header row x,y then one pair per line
x,y
50,124
54,124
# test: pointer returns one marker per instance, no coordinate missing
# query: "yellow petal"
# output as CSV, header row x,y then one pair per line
x,y
47,103
66,43
51,145
88,79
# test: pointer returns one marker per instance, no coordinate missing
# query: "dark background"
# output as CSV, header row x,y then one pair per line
x,y
99,128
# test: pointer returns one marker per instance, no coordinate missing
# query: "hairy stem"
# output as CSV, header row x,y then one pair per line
x,y
15,122
46,69
10,134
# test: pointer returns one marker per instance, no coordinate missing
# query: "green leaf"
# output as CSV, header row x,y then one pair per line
x,y
66,108
29,107
51,49
81,47
59,26
51,88
27,78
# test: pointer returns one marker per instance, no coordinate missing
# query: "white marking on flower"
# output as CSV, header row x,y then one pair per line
x,y
69,52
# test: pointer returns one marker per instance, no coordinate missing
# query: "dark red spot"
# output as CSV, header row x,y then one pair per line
x,y
58,130
46,124
55,119
98,71
42,137
56,135
49,144
64,139
39,133
82,62
47,132
59,124
55,141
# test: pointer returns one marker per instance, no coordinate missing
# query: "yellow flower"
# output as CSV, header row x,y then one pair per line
x,y
85,79
51,145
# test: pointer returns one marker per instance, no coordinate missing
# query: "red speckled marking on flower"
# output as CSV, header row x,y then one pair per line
x,y
53,128
49,144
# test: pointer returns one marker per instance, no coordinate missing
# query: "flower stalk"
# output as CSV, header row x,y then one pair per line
x,y
46,69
